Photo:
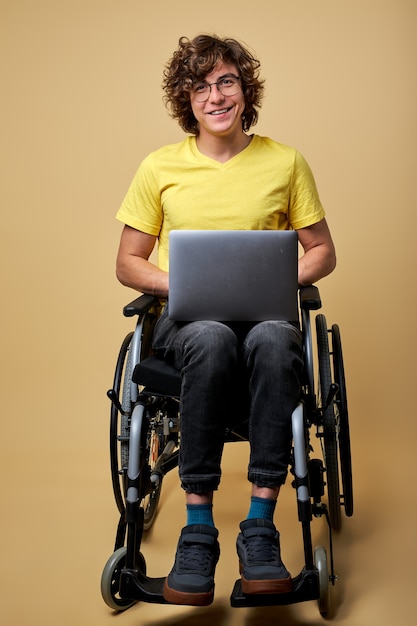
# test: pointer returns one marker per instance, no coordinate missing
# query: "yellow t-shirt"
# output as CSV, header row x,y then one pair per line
x,y
267,186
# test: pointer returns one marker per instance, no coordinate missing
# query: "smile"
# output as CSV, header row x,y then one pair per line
x,y
220,111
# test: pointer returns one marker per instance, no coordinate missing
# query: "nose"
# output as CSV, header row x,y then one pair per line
x,y
215,93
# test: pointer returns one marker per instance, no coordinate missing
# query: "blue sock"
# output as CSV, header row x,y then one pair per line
x,y
200,514
261,508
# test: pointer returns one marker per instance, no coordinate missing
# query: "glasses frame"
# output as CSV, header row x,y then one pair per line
x,y
197,96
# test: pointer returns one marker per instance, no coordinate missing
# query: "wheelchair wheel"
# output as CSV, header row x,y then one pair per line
x,y
110,580
320,561
329,423
117,449
344,432
119,440
150,501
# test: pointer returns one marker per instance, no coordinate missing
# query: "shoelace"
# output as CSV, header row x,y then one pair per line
x,y
194,556
262,549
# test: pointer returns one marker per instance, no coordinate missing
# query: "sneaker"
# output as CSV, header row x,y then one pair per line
x,y
191,580
260,565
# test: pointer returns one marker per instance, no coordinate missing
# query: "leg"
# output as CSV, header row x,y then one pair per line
x,y
272,354
206,355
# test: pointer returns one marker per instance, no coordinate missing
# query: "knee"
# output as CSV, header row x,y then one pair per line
x,y
274,332
213,342
274,340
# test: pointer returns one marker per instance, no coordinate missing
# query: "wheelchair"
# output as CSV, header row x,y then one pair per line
x,y
145,435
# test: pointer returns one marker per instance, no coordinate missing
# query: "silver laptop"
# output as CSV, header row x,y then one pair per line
x,y
233,275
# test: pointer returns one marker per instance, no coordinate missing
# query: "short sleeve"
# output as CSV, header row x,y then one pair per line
x,y
141,208
305,207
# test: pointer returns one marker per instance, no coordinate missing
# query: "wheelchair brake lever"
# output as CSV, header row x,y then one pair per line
x,y
112,395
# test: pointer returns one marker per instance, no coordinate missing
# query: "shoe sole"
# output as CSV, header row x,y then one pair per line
x,y
251,587
182,597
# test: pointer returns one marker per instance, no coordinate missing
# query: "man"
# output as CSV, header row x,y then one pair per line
x,y
220,177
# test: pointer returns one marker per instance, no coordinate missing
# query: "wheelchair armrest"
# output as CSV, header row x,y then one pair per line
x,y
141,305
310,298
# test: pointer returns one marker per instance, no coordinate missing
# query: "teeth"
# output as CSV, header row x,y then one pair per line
x,y
219,112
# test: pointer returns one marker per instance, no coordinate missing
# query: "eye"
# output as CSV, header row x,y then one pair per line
x,y
200,87
227,82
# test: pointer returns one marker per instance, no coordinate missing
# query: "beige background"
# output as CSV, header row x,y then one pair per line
x,y
81,106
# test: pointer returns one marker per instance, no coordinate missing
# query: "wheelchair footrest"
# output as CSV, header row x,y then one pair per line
x,y
136,586
306,587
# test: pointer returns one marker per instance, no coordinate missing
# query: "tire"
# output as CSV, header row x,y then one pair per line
x,y
116,463
110,580
344,431
329,423
320,561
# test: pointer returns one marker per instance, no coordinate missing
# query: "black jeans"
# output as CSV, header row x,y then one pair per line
x,y
220,364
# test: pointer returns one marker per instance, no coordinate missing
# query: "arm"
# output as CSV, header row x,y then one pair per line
x,y
133,268
319,258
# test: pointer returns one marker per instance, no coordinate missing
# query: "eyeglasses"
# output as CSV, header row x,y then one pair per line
x,y
228,86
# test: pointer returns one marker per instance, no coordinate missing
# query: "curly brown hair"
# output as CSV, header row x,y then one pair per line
x,y
196,58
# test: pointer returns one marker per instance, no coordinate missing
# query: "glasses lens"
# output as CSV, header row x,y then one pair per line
x,y
201,92
228,86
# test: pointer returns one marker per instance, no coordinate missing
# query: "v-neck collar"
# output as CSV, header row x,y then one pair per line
x,y
221,164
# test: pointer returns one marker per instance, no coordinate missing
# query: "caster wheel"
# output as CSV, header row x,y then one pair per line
x,y
110,580
320,561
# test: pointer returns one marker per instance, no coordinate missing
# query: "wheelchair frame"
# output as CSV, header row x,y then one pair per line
x,y
144,446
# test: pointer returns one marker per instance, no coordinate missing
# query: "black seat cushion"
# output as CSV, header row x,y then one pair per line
x,y
159,376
